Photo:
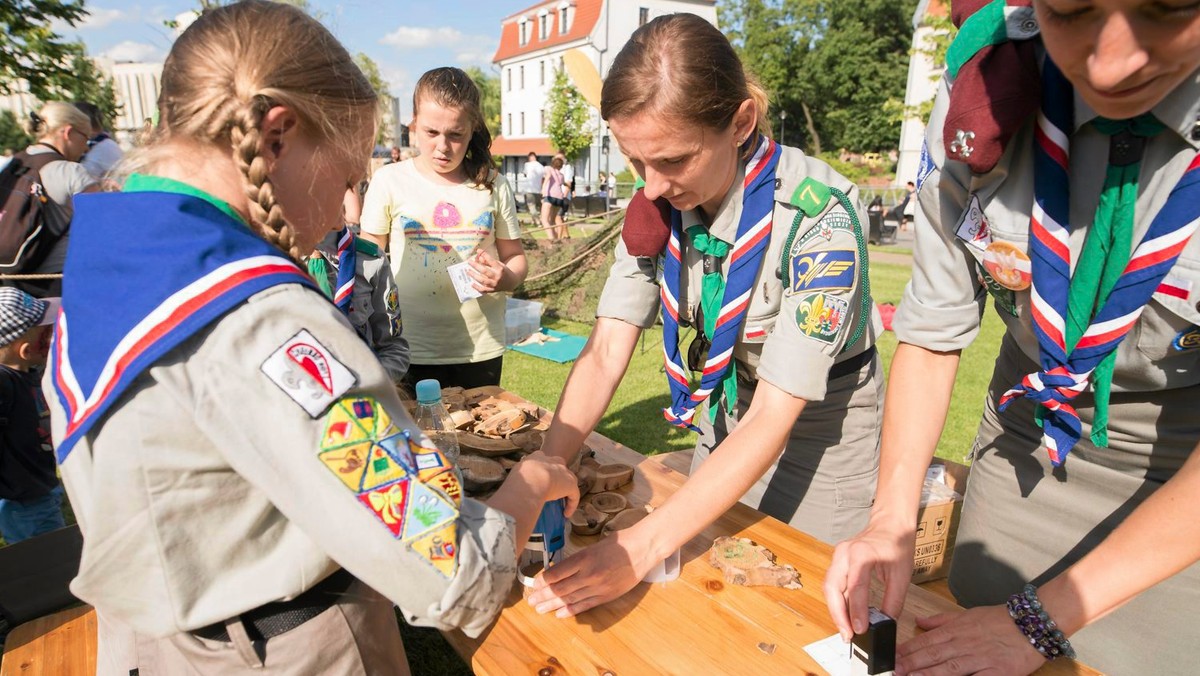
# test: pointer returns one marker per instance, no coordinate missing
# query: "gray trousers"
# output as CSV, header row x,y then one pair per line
x,y
1024,521
823,483
357,635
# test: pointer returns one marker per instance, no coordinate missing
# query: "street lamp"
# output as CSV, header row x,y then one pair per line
x,y
782,125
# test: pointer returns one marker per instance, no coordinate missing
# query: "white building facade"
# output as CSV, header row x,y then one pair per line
x,y
923,77
532,44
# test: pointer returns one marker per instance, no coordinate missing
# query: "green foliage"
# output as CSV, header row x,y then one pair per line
x,y
30,50
830,64
369,68
88,83
489,89
569,114
12,135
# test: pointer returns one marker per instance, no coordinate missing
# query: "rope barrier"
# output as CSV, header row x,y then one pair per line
x,y
604,240
44,275
525,231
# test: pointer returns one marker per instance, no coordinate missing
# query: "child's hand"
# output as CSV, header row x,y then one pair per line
x,y
554,477
486,271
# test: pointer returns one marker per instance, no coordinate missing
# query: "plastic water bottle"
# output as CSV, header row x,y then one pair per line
x,y
433,419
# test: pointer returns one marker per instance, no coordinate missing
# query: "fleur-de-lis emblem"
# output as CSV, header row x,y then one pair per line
x,y
960,144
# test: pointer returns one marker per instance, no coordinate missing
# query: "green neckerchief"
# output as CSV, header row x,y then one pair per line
x,y
712,294
319,269
147,183
1106,252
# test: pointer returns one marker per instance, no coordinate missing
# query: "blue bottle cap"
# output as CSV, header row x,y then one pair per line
x,y
429,391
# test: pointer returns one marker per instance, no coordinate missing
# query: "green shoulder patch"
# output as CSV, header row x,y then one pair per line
x,y
811,196
366,246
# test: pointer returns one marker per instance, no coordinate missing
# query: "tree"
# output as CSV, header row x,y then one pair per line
x,y
568,119
87,83
369,68
29,50
489,90
12,135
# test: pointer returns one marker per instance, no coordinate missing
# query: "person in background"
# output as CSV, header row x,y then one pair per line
x,y
30,493
394,155
64,130
449,206
1073,204
252,494
903,212
103,152
568,172
534,172
553,201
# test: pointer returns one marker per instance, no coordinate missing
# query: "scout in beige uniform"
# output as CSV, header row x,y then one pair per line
x,y
374,304
252,495
1106,534
804,345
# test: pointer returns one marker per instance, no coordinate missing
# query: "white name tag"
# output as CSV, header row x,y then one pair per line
x,y
973,228
463,284
307,372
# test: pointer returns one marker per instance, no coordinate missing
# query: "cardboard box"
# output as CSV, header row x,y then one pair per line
x,y
937,522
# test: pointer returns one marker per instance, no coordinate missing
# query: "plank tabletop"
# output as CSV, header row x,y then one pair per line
x,y
695,624
62,644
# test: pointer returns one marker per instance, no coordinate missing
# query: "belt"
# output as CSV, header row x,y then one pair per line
x,y
853,364
272,619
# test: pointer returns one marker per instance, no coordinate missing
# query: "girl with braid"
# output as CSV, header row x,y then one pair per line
x,y
253,497
444,207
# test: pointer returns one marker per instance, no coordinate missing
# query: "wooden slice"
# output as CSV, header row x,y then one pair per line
x,y
612,477
743,562
478,394
625,519
480,474
529,440
463,420
609,503
501,424
585,478
454,402
477,445
587,520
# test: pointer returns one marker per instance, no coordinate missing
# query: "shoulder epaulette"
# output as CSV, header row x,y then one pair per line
x,y
366,246
811,196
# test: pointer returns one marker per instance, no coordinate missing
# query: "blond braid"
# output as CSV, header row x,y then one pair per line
x,y
265,214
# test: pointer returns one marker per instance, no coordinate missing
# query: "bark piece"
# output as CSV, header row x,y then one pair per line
x,y
529,440
743,562
501,424
462,420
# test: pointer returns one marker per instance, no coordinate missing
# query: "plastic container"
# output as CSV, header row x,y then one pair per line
x,y
433,419
522,318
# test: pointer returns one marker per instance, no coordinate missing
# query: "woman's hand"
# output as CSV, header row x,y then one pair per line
x,y
486,271
593,576
981,640
882,550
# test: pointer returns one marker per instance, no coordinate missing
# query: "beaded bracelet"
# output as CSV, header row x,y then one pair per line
x,y
1042,632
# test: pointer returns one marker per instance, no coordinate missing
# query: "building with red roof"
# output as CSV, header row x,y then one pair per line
x,y
532,44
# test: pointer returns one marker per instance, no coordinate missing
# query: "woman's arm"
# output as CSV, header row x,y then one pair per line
x,y
918,397
613,566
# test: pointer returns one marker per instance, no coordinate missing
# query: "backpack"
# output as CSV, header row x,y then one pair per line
x,y
26,235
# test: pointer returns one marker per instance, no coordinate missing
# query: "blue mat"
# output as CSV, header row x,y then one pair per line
x,y
566,349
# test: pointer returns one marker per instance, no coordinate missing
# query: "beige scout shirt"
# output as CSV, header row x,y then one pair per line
x,y
943,303
206,492
783,339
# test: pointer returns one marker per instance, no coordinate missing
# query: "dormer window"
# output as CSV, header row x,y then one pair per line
x,y
523,31
544,20
566,12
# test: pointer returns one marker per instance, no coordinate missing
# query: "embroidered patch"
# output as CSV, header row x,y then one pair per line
x,y
348,463
439,548
396,325
393,300
388,503
756,333
833,270
1188,339
428,460
1175,287
342,428
821,316
973,228
426,511
1005,299
811,196
398,447
925,167
308,373
447,482
1008,265
381,469
836,219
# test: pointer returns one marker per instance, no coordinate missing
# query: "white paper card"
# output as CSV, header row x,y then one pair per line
x,y
462,281
834,657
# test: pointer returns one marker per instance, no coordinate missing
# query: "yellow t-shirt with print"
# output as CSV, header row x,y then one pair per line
x,y
430,227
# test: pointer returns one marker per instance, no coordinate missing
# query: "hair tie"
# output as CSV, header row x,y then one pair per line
x,y
35,118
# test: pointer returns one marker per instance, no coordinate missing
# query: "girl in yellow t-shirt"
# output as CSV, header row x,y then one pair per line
x,y
443,207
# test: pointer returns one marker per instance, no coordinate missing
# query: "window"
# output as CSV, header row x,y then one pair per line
x,y
521,79
643,15
508,126
542,73
523,30
522,124
560,65
543,25
508,72
543,126
564,17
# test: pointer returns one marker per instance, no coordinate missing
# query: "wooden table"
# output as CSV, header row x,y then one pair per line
x,y
62,644
696,624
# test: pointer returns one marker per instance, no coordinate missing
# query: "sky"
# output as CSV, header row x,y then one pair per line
x,y
405,37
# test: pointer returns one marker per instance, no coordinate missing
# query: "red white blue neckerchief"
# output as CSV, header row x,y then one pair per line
x,y
144,272
347,261
745,259
1065,374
